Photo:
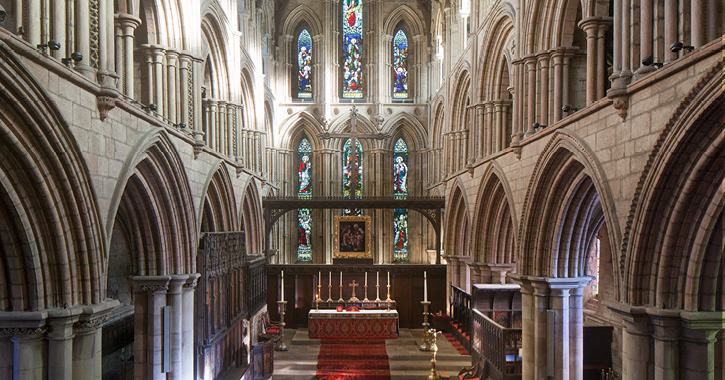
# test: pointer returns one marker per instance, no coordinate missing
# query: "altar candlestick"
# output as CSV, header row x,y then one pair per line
x,y
425,286
282,299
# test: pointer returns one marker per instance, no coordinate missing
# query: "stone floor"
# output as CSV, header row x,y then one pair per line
x,y
406,361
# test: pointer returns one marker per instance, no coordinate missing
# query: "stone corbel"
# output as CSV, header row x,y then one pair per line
x,y
108,95
621,104
240,165
198,142
105,105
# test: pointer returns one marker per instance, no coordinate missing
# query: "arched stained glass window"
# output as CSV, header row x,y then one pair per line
x,y
304,65
400,191
347,173
304,216
400,65
352,44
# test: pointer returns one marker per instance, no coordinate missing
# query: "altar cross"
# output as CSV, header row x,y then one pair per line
x,y
353,285
354,137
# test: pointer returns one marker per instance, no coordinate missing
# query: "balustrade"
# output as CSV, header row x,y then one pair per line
x,y
461,315
498,345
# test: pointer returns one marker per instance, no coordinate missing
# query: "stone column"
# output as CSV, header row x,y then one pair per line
x,y
635,342
491,131
60,343
172,57
500,271
485,130
83,36
185,65
87,348
34,22
601,57
666,342
221,127
671,16
531,95
187,330
576,331
157,59
590,26
118,46
528,330
150,296
543,58
697,23
539,309
645,35
174,299
28,352
626,39
59,25
560,306
211,132
558,59
231,130
498,127
698,336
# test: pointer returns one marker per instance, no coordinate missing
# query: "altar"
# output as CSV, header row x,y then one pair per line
x,y
382,324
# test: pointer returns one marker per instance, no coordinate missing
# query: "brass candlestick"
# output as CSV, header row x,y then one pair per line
x,y
388,300
434,348
341,300
329,293
319,292
377,293
281,346
427,338
366,294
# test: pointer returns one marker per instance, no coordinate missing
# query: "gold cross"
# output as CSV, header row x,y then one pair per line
x,y
354,285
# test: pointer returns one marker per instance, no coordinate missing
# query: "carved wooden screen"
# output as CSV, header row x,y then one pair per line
x,y
220,304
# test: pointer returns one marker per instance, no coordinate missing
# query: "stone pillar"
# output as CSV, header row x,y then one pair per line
x,y
187,331
34,22
576,331
626,40
516,96
221,127
601,58
500,271
150,296
28,353
697,23
558,59
60,343
174,299
211,132
636,346
671,16
528,330
666,342
83,37
59,25
560,306
231,130
698,336
185,67
87,348
531,96
591,28
172,57
543,59
157,61
645,35
491,131
539,308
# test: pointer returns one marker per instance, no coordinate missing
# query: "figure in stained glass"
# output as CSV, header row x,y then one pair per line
x,y
400,191
400,169
304,64
352,85
400,226
304,216
347,174
400,65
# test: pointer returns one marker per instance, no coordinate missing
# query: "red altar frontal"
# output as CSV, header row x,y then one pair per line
x,y
380,324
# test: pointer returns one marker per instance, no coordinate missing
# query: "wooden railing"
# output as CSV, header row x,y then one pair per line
x,y
221,304
257,283
461,315
496,345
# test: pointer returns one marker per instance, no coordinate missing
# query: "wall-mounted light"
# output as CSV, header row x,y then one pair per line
x,y
538,127
150,107
679,45
650,61
75,57
180,125
52,45
568,107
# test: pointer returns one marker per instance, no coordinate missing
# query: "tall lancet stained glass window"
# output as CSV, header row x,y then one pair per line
x,y
400,65
352,44
347,173
304,65
400,191
304,215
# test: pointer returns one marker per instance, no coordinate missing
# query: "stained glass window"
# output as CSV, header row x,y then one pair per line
x,y
304,64
400,191
400,65
347,172
352,19
304,216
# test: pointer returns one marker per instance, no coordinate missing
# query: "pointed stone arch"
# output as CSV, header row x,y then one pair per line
x,y
405,125
496,39
567,202
673,239
214,32
218,211
407,15
494,219
153,203
298,123
251,219
457,221
302,14
52,245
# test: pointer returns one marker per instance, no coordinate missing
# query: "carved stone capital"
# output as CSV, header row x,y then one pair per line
x,y
20,332
198,143
105,104
90,325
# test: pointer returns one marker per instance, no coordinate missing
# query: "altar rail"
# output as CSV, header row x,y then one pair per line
x,y
497,347
461,316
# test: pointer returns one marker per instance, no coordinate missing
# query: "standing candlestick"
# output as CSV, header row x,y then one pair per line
x,y
425,286
388,300
341,300
319,289
281,346
427,338
366,294
329,287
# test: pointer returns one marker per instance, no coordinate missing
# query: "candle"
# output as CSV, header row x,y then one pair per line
x,y
366,278
341,278
377,282
425,286
329,281
388,277
319,278
282,298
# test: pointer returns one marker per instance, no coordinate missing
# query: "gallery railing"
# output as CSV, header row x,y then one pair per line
x,y
461,315
257,283
497,345
221,305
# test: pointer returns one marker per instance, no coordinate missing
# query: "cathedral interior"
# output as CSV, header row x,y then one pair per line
x,y
184,182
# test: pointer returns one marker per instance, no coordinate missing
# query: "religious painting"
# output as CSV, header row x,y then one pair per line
x,y
400,65
352,28
352,237
304,65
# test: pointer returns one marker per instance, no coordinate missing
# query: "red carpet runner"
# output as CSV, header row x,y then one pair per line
x,y
347,359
